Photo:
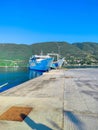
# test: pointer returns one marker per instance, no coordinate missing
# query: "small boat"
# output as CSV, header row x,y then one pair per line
x,y
57,64
59,61
40,62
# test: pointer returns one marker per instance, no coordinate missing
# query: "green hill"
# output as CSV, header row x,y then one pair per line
x,y
88,48
76,53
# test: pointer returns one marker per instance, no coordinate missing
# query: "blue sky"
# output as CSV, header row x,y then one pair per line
x,y
32,21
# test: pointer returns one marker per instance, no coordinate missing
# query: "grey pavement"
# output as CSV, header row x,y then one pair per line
x,y
61,100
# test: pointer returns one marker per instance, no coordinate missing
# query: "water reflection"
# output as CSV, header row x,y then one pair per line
x,y
11,77
34,74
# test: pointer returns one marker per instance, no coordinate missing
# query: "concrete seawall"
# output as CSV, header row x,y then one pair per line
x,y
60,100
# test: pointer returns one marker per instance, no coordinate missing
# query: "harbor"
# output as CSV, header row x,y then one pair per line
x,y
61,99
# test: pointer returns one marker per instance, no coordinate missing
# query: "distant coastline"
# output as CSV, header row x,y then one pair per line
x,y
83,66
69,66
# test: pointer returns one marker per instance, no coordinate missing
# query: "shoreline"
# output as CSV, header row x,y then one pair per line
x,y
78,66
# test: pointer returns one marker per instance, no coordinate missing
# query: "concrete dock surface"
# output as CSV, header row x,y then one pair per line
x,y
60,100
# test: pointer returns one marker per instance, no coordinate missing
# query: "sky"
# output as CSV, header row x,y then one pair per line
x,y
33,21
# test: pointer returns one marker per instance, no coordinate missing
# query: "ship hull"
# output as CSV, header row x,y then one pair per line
x,y
43,65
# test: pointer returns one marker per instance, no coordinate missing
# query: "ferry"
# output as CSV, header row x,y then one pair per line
x,y
40,62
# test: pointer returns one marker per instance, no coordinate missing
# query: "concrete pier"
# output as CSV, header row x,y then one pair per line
x,y
60,100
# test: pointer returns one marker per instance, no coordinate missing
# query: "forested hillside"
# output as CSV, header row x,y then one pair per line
x,y
76,53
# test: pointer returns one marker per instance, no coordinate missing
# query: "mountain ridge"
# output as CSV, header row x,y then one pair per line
x,y
87,51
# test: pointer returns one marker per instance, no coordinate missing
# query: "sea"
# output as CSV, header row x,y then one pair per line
x,y
11,77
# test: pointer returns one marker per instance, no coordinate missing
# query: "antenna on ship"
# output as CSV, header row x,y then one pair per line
x,y
58,46
41,53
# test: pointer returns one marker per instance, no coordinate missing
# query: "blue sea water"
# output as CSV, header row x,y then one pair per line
x,y
11,77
